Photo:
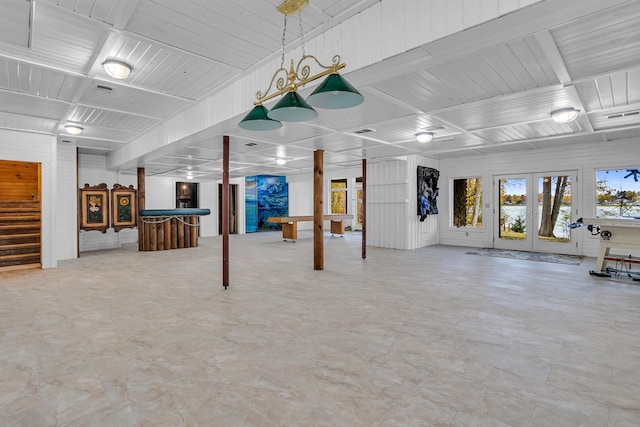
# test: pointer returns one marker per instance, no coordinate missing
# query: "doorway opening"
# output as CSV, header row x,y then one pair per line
x,y
187,195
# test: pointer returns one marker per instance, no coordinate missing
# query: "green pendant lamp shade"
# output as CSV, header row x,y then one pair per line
x,y
335,92
258,119
292,108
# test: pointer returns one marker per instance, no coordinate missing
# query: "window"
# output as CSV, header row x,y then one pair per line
x,y
467,202
338,196
618,192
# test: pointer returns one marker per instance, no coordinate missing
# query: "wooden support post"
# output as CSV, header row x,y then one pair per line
x,y
364,209
225,211
140,205
318,211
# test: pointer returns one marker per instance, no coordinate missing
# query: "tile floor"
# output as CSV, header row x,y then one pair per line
x,y
405,338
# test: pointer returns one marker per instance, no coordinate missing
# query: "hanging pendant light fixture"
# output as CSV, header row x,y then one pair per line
x,y
257,119
334,92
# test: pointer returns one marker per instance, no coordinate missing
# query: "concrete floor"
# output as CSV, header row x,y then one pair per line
x,y
406,338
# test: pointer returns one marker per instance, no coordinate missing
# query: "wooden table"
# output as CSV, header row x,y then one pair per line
x,y
290,224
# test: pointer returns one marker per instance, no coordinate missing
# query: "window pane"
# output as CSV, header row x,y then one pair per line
x,y
339,183
467,202
339,202
618,192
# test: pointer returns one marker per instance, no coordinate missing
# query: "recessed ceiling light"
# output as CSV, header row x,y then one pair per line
x,y
281,161
117,69
423,137
564,115
73,129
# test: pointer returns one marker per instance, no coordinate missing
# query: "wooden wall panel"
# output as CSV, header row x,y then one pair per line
x,y
19,181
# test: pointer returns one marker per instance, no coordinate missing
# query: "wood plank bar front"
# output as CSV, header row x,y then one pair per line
x,y
193,230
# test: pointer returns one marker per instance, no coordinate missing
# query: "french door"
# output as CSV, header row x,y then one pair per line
x,y
534,212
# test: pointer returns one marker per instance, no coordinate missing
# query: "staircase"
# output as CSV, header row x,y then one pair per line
x,y
19,235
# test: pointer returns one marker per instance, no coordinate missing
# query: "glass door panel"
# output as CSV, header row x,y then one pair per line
x,y
534,212
554,213
512,228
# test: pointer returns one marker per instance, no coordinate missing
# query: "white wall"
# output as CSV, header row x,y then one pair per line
x,y
92,170
301,193
209,200
392,191
66,228
37,148
584,158
424,233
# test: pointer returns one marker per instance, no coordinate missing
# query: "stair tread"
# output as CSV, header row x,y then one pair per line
x,y
19,246
18,256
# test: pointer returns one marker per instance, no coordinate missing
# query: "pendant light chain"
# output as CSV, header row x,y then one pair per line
x,y
301,32
284,36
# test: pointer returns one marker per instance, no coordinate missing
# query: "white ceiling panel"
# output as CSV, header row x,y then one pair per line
x,y
67,39
33,106
126,99
523,107
527,131
290,132
35,80
14,20
95,143
207,29
101,10
164,69
374,109
614,90
458,142
95,132
613,120
602,42
110,119
20,121
336,142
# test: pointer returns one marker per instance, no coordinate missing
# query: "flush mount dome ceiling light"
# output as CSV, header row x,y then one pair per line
x,y
564,115
73,129
423,137
117,69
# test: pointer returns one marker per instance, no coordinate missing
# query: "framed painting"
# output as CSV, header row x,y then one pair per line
x,y
94,207
123,207
427,191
